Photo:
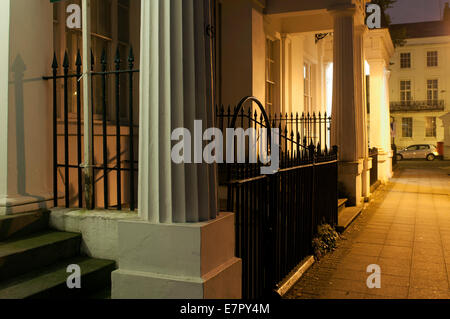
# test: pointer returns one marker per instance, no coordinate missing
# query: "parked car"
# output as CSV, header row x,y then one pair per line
x,y
419,151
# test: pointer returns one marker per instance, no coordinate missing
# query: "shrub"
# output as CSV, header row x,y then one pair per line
x,y
325,241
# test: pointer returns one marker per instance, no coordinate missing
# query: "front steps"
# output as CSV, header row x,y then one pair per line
x,y
34,261
346,215
24,224
50,282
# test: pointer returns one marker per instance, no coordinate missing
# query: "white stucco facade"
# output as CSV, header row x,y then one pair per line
x,y
423,120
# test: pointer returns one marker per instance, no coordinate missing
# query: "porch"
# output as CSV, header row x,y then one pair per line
x,y
165,210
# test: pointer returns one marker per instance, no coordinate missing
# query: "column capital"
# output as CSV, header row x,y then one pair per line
x,y
376,66
361,29
285,36
342,10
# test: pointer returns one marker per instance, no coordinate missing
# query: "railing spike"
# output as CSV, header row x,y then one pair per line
x,y
55,62
78,60
131,55
66,60
103,57
117,59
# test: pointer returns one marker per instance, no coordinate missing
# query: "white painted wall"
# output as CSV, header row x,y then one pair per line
x,y
26,110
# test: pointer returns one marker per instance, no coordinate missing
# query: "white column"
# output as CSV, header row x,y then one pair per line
x,y
181,248
386,130
26,36
346,124
361,107
380,132
174,92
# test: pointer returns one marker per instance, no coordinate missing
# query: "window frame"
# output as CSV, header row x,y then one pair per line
x,y
430,128
407,128
270,74
307,87
404,97
433,89
99,35
405,63
432,61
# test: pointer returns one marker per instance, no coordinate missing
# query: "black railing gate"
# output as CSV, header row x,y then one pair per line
x,y
114,147
277,215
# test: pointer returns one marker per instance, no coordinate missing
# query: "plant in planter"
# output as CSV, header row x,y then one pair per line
x,y
325,241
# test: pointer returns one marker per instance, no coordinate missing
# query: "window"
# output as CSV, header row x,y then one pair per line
x,y
405,91
270,76
430,126
432,92
107,32
405,60
407,126
432,58
307,87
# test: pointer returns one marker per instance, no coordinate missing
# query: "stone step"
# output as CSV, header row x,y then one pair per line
x,y
19,256
341,204
346,217
51,281
13,226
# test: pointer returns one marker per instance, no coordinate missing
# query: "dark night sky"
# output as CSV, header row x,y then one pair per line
x,y
406,11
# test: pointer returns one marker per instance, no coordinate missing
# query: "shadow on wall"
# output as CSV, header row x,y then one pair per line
x,y
18,70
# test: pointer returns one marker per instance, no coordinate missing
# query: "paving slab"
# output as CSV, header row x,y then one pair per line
x,y
405,229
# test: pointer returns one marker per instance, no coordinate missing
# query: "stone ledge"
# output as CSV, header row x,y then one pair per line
x,y
346,217
25,204
99,229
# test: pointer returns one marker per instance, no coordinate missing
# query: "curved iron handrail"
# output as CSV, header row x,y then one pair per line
x,y
266,118
261,108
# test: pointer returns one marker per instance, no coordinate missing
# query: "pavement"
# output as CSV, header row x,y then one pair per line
x,y
405,230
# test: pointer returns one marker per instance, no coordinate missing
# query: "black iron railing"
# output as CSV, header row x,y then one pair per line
x,y
373,153
394,155
417,106
277,215
116,138
297,135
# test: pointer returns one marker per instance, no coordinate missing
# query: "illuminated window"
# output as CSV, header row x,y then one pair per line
x,y
106,33
307,87
432,91
270,76
405,91
430,126
432,58
405,60
407,126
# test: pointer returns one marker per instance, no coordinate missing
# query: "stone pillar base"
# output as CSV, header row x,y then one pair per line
x,y
23,204
384,166
350,181
367,166
178,261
